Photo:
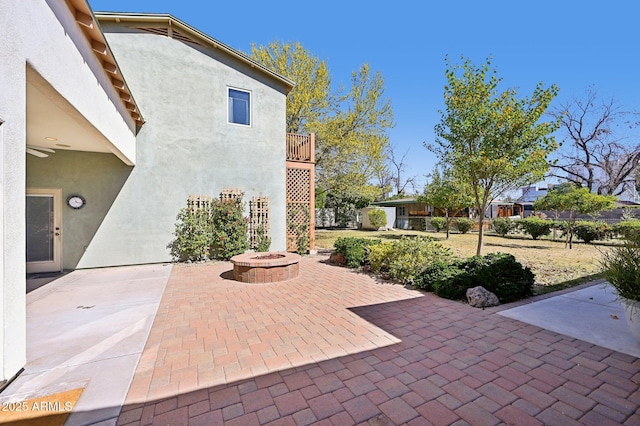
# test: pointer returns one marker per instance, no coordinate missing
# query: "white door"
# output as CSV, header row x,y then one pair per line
x,y
44,233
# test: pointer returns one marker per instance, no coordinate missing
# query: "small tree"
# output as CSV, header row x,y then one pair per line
x,y
492,141
572,201
446,194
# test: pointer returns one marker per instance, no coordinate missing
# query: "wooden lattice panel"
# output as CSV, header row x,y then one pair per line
x,y
199,202
231,194
298,203
259,218
298,185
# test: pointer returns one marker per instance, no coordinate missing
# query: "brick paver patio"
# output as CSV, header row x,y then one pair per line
x,y
335,347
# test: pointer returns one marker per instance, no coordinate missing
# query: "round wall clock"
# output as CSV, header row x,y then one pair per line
x,y
76,201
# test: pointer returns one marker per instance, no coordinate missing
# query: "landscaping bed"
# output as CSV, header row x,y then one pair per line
x,y
555,267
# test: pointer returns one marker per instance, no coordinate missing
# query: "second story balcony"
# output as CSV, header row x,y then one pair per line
x,y
301,148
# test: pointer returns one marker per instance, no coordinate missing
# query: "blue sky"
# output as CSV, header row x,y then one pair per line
x,y
573,44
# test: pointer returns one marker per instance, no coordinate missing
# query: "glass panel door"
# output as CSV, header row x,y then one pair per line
x,y
43,230
40,228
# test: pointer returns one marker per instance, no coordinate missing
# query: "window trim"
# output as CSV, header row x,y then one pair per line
x,y
249,92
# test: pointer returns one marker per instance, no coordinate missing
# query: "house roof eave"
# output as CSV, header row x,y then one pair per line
x,y
87,20
395,202
174,22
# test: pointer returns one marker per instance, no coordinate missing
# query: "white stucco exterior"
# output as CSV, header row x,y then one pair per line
x,y
187,146
44,37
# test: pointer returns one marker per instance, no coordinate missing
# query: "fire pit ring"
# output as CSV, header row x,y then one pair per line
x,y
267,267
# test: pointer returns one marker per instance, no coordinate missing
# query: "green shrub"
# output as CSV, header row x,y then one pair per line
x,y
446,277
621,268
263,241
499,273
503,225
299,228
629,229
229,228
438,223
354,249
535,226
403,259
590,231
193,236
216,230
377,218
464,225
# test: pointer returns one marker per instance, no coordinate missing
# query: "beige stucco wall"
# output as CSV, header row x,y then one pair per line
x,y
98,177
186,145
44,36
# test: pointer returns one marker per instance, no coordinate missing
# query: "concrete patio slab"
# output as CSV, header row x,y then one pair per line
x,y
592,314
87,330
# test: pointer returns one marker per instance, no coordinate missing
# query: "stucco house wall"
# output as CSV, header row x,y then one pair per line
x,y
42,38
186,145
98,177
134,179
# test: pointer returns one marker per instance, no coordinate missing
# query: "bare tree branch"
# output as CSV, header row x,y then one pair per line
x,y
397,170
598,153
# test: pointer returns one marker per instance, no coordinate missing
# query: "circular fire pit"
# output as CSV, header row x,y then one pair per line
x,y
265,267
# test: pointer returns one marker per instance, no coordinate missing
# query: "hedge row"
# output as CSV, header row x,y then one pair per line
x,y
432,267
587,231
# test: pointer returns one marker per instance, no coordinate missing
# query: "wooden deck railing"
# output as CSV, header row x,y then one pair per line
x,y
300,147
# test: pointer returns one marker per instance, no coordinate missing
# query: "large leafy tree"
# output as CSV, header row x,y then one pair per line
x,y
310,101
353,140
493,141
599,151
350,125
572,201
447,194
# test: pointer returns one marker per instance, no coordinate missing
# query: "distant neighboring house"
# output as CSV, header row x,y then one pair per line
x,y
523,206
523,209
531,193
412,214
511,209
123,117
390,215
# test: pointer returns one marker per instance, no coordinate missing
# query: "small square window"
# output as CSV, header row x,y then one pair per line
x,y
239,107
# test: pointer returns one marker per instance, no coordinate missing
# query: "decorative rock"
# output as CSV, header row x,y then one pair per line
x,y
338,258
480,297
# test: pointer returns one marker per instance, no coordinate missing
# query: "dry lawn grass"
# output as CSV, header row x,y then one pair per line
x,y
554,265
